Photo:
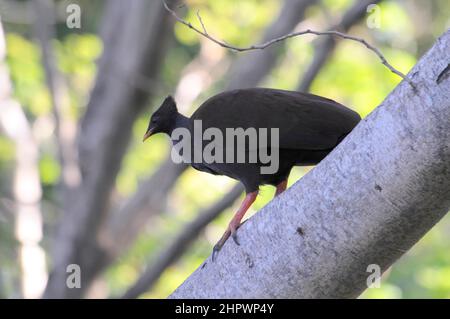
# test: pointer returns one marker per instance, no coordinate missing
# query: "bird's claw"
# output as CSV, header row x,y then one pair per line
x,y
216,250
217,247
235,238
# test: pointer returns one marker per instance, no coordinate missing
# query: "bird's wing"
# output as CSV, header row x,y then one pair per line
x,y
305,121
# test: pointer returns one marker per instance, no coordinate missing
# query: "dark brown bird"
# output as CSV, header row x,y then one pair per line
x,y
309,128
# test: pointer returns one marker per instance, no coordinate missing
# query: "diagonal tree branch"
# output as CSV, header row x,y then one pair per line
x,y
372,198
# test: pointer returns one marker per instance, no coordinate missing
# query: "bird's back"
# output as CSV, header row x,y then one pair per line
x,y
305,121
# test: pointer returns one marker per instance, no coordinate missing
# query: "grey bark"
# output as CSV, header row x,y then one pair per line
x,y
105,131
368,202
325,47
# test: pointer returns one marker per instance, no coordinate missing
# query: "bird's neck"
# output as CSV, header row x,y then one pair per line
x,y
181,121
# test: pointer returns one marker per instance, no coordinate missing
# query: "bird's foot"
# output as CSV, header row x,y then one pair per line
x,y
231,231
235,223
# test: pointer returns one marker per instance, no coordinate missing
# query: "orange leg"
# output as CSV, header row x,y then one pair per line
x,y
281,187
235,223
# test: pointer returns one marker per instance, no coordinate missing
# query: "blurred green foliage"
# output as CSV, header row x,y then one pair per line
x,y
358,80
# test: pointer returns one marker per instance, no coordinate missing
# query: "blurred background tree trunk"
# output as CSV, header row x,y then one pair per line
x,y
27,191
114,105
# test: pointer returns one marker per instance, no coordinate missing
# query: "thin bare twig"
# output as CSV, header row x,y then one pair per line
x,y
201,22
287,36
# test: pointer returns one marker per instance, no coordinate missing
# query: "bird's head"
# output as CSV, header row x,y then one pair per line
x,y
164,118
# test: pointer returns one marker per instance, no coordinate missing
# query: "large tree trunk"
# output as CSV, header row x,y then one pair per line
x,y
367,203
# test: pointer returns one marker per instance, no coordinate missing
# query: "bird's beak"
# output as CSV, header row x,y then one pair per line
x,y
147,134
